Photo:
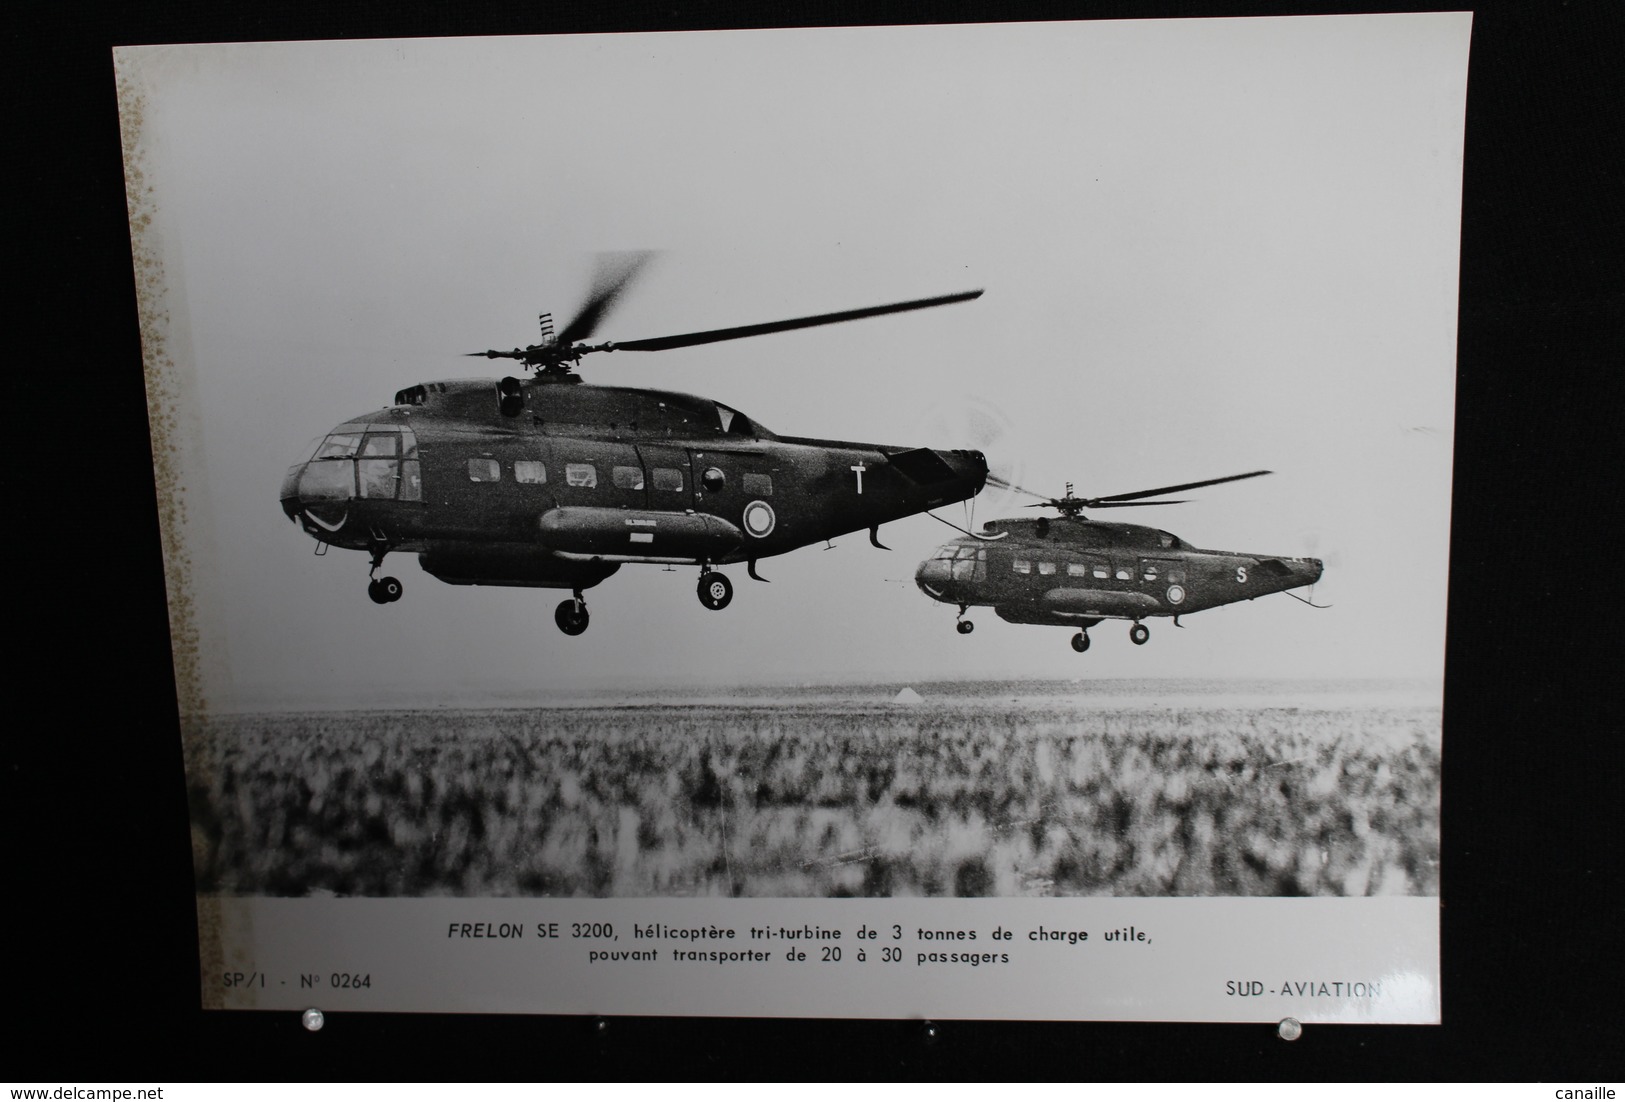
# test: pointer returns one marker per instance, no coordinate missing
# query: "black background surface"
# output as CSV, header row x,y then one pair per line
x,y
101,952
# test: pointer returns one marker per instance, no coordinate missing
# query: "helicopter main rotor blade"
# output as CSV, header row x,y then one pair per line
x,y
615,271
1097,502
711,336
1062,503
1005,484
1136,504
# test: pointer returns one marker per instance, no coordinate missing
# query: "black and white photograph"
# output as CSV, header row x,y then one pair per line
x,y
698,466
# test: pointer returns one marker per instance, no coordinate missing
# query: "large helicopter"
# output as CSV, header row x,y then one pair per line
x,y
548,482
1070,571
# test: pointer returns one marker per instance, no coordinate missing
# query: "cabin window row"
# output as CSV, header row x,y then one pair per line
x,y
1150,572
1025,566
585,476
533,472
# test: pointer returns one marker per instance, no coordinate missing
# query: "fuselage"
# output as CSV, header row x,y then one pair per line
x,y
1076,572
563,482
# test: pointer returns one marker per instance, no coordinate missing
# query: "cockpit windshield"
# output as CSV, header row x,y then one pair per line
x,y
969,561
368,461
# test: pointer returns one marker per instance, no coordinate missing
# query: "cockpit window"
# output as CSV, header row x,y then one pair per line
x,y
411,480
339,445
377,477
327,481
381,444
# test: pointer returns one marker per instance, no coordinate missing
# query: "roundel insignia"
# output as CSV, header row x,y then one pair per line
x,y
759,519
1176,594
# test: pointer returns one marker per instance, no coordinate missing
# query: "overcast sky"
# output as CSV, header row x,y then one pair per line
x,y
1207,246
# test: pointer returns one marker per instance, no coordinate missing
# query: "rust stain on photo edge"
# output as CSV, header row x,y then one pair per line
x,y
165,400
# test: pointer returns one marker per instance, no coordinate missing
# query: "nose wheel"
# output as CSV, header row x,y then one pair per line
x,y
1080,642
1138,634
383,591
571,616
715,590
964,626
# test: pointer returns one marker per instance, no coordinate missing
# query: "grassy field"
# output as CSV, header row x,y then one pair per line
x,y
1048,794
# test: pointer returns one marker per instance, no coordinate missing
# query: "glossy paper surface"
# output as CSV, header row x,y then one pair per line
x,y
1205,247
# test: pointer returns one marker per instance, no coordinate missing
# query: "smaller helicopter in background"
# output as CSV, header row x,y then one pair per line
x,y
1070,571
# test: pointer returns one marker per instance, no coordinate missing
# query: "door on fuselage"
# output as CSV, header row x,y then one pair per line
x,y
480,482
668,477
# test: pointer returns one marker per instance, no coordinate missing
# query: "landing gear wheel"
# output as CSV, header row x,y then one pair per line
x,y
964,627
1080,642
375,590
390,588
715,590
1138,634
571,616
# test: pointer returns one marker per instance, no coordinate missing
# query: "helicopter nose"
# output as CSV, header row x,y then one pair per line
x,y
290,491
318,490
933,576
